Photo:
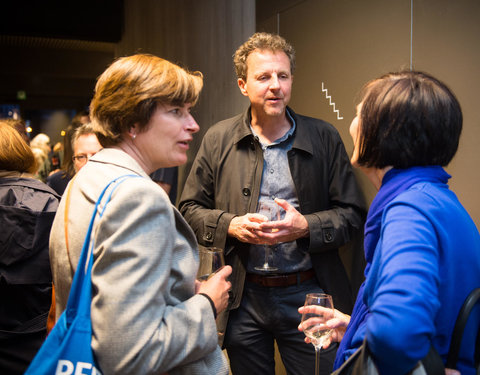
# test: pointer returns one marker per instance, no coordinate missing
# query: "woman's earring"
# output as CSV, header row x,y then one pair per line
x,y
134,136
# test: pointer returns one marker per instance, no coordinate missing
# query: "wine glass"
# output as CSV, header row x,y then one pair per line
x,y
211,260
271,210
318,309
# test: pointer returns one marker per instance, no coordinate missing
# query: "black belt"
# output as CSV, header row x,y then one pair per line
x,y
287,279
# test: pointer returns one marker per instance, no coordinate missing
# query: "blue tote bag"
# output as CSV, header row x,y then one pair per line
x,y
67,349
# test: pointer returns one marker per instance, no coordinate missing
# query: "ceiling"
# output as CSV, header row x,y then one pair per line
x,y
51,73
52,52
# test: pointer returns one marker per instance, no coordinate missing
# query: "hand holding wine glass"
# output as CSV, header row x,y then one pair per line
x,y
338,324
211,260
317,310
212,276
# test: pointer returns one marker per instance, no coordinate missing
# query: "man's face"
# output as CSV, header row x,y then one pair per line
x,y
84,148
269,82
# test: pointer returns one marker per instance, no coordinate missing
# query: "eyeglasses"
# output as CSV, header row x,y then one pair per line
x,y
82,158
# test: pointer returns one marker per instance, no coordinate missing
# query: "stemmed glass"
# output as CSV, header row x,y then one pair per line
x,y
318,309
211,260
271,210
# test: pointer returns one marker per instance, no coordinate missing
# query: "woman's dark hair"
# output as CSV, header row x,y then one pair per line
x,y
408,119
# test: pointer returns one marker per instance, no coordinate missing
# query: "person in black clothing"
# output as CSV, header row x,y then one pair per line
x,y
270,154
27,209
167,179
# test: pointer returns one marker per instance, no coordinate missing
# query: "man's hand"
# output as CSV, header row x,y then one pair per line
x,y
246,228
256,229
291,227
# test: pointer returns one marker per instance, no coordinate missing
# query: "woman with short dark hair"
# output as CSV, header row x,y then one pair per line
x,y
421,246
408,119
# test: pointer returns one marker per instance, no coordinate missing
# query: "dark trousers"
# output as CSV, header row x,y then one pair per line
x,y
267,314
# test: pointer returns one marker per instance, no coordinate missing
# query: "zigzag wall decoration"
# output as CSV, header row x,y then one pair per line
x,y
329,97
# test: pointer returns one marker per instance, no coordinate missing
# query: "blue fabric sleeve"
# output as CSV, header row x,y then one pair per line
x,y
403,292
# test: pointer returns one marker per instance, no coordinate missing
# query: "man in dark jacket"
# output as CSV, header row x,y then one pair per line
x,y
271,154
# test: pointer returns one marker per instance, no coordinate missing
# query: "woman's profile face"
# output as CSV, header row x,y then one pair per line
x,y
354,133
165,140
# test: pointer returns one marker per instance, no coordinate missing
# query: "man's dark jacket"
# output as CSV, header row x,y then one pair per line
x,y
224,182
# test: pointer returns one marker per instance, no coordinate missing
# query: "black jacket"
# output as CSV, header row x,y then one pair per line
x,y
225,182
27,209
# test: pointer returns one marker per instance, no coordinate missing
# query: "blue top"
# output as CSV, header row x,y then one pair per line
x,y
426,262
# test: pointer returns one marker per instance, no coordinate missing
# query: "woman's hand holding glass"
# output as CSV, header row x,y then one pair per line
x,y
318,308
337,322
211,259
211,266
217,287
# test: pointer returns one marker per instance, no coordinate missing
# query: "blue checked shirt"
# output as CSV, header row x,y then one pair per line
x,y
277,182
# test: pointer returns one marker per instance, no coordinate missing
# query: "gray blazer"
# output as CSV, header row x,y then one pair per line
x,y
146,318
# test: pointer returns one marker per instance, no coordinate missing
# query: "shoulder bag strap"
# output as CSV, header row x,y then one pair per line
x,y
80,296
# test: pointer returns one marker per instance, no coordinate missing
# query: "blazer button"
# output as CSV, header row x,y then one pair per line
x,y
209,236
246,192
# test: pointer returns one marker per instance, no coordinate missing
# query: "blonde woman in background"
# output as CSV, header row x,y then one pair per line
x,y
40,145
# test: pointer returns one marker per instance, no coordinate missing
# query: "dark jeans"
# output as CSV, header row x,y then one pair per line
x,y
267,314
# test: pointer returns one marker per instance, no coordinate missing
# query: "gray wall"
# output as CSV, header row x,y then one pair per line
x,y
199,35
345,43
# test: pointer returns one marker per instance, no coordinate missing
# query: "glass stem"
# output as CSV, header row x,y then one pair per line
x,y
317,360
267,255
